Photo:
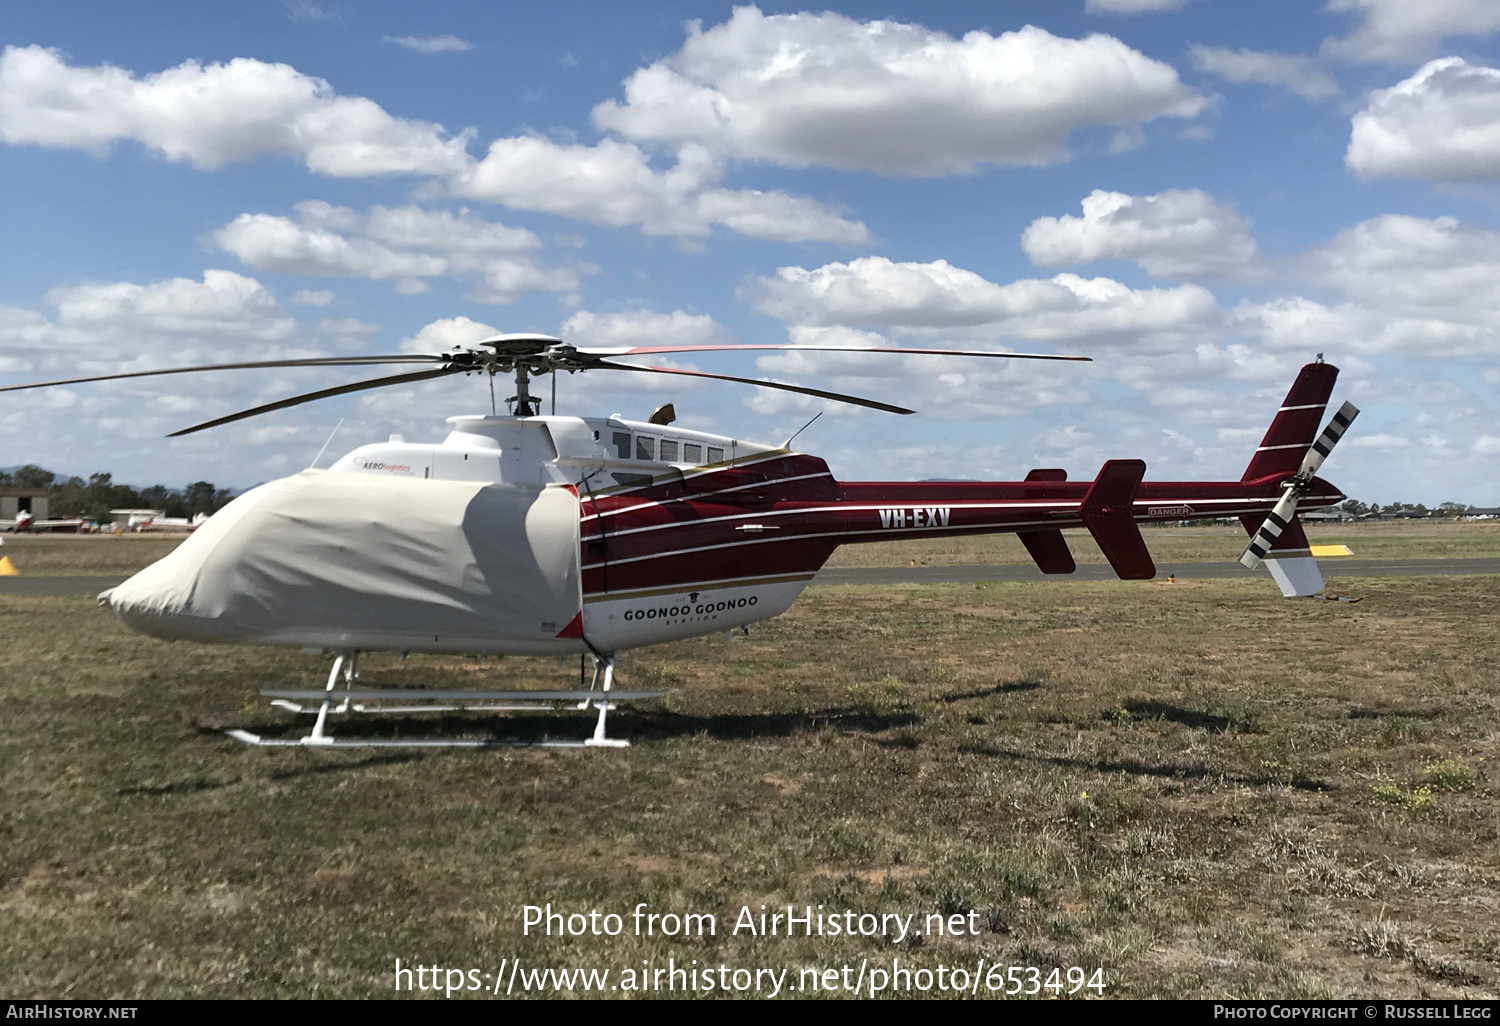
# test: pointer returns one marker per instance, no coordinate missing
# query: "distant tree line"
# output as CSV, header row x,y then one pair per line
x,y
94,498
1446,509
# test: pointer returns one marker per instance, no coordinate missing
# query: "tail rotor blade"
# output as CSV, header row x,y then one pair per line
x,y
1327,440
1275,522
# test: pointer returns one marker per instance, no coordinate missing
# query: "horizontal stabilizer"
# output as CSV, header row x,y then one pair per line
x,y
1108,512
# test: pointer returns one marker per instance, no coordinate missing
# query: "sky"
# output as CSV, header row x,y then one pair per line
x,y
1201,195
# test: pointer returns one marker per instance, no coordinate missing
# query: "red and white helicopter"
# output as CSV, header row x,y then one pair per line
x,y
534,534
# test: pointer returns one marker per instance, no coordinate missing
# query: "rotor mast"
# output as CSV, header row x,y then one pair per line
x,y
523,403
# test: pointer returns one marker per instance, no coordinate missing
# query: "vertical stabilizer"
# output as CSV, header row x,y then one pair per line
x,y
1108,511
1295,425
1048,547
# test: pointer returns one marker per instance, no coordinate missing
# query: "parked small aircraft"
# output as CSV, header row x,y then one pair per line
x,y
141,520
25,523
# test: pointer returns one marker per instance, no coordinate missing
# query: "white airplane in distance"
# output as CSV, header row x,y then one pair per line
x,y
25,523
157,520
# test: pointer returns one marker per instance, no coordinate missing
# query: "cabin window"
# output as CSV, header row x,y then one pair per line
x,y
692,452
622,444
669,450
645,448
715,455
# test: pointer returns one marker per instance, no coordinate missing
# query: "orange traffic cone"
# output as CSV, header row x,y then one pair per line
x,y
7,568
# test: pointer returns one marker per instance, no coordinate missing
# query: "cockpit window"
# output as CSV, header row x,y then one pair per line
x,y
669,450
622,444
645,448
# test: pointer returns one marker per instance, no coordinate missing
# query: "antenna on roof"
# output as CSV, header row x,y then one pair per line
x,y
326,444
788,443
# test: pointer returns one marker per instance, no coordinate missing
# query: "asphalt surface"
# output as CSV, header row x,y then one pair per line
x,y
1335,567
23,585
1332,567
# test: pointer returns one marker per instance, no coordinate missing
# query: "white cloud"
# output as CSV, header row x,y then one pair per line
x,y
1379,442
1394,30
1443,123
1408,284
222,304
1416,266
1296,72
823,89
443,335
1179,233
1128,7
613,183
346,326
431,44
212,115
313,297
303,12
123,326
401,244
913,297
643,328
1487,445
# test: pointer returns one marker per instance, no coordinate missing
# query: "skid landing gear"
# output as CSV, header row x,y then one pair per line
x,y
600,740
600,696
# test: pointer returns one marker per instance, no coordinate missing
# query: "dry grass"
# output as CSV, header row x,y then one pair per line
x,y
1178,784
67,554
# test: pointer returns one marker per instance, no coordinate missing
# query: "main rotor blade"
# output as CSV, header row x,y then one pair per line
x,y
326,393
320,361
648,350
835,396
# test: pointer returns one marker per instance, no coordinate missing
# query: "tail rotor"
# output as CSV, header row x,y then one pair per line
x,y
1294,489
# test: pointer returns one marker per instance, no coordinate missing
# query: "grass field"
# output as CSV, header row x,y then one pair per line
x,y
1203,788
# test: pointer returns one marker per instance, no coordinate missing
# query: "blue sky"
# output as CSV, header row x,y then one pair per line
x,y
1199,194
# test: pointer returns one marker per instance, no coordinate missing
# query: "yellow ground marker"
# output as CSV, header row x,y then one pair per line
x,y
1332,550
7,568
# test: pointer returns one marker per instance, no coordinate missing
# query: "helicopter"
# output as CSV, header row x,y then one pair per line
x,y
534,534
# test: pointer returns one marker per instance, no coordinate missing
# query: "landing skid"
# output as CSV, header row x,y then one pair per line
x,y
373,700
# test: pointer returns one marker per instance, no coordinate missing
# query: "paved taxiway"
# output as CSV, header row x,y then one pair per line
x,y
1342,567
1336,567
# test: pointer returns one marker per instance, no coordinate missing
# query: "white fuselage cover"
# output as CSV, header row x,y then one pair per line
x,y
355,561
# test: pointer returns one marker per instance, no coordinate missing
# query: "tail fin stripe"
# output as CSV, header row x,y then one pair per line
x,y
1309,406
1270,448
